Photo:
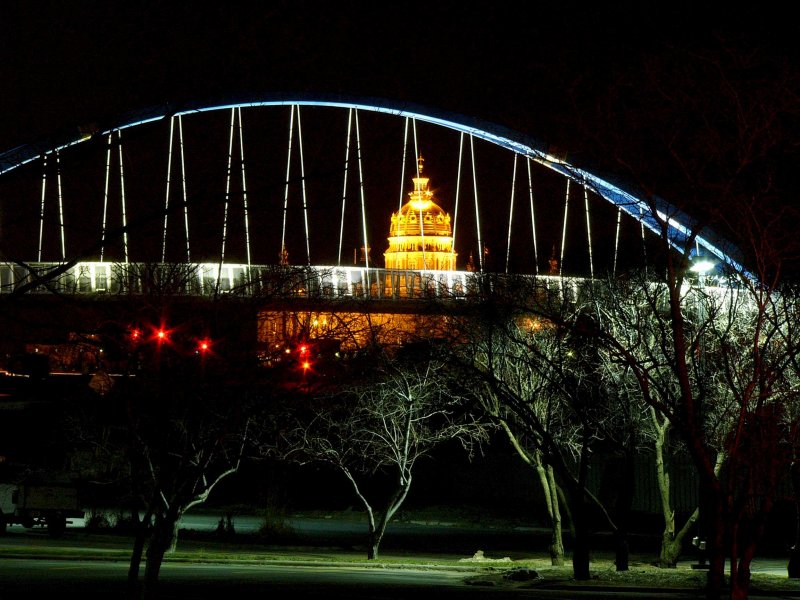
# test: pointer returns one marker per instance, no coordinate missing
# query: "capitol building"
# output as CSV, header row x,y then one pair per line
x,y
420,234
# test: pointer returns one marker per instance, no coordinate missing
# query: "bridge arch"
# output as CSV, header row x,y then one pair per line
x,y
681,225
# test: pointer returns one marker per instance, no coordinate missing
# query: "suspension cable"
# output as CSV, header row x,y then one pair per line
x,y
616,242
588,230
475,191
533,220
170,160
564,231
416,145
458,189
61,207
403,168
644,245
363,203
303,184
344,186
284,257
105,197
166,201
511,210
420,216
185,194
122,198
41,211
227,196
244,187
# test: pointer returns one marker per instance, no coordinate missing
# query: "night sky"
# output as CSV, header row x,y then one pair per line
x,y
513,62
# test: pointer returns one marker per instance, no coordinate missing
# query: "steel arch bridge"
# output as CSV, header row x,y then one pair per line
x,y
227,171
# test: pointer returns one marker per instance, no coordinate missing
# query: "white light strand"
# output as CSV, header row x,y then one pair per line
x,y
122,198
477,212
511,210
227,196
61,207
616,241
420,217
185,193
303,184
564,231
41,211
344,185
245,207
588,231
169,181
458,190
644,245
283,253
105,198
363,202
533,220
403,168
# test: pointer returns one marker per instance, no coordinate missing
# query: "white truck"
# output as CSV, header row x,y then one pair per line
x,y
39,503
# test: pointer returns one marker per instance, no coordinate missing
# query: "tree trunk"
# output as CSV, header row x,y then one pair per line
x,y
623,511
395,502
140,535
581,551
671,542
793,567
373,545
550,492
714,525
163,540
550,488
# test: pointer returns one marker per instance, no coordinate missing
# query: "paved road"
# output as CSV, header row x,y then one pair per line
x,y
95,580
458,541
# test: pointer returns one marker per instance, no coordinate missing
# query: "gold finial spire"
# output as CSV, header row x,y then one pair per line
x,y
420,160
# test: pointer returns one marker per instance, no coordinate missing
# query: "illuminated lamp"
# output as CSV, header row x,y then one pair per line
x,y
701,265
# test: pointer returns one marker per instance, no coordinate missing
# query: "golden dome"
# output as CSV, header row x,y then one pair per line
x,y
420,234
434,220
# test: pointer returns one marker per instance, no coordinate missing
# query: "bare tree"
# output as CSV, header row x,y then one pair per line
x,y
382,426
711,130
176,422
549,386
714,361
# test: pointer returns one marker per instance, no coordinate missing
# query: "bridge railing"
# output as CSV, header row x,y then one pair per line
x,y
275,281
